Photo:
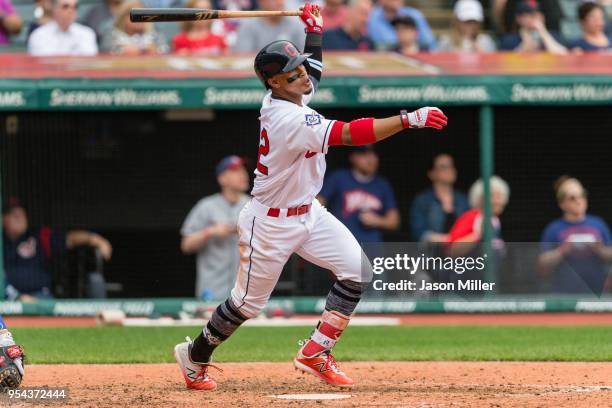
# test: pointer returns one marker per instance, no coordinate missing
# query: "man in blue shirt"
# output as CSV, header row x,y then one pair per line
x,y
350,36
382,31
360,198
28,252
577,248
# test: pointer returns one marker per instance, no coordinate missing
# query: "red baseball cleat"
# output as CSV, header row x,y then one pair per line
x,y
196,375
323,366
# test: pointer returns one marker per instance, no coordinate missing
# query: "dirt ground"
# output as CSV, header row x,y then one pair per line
x,y
401,384
388,384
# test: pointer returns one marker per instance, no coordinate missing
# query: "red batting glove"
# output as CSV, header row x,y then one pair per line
x,y
425,117
311,17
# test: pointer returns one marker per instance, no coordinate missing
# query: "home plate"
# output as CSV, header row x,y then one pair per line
x,y
312,396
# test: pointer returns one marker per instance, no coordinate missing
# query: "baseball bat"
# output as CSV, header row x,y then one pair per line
x,y
149,15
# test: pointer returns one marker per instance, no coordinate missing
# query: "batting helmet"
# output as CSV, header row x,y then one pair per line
x,y
276,58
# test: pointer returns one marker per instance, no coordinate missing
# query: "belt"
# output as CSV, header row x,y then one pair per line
x,y
302,209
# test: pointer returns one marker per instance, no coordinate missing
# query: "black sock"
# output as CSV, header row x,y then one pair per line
x,y
201,349
223,323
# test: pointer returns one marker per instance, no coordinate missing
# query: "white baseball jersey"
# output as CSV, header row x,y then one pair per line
x,y
292,147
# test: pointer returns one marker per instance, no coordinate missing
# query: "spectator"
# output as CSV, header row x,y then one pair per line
x,y
334,13
256,33
531,35
128,38
593,21
577,246
210,230
350,36
197,36
466,35
234,4
43,13
28,252
434,211
505,11
468,227
382,32
360,198
62,35
10,22
407,36
101,18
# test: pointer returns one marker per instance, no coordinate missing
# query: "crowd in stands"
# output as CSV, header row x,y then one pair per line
x,y
575,249
56,28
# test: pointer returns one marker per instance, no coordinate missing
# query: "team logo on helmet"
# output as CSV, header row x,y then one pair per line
x,y
291,50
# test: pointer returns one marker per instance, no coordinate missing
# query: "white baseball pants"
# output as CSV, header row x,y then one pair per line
x,y
266,243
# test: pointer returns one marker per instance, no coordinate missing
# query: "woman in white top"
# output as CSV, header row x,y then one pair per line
x,y
466,35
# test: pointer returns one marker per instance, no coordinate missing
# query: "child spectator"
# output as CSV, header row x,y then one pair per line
x,y
10,22
63,35
197,36
351,35
531,34
382,32
466,35
130,38
407,36
593,22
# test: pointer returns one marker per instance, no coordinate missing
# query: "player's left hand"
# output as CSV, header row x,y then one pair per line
x,y
429,116
311,17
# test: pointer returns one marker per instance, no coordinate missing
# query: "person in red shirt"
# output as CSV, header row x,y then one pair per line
x,y
197,37
468,227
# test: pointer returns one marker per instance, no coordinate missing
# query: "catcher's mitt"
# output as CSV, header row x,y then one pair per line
x,y
11,367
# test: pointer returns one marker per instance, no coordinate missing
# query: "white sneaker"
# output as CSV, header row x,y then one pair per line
x,y
196,375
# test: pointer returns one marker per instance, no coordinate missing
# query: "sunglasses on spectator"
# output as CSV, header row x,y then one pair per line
x,y
67,6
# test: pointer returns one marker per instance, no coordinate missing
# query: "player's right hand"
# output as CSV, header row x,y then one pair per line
x,y
429,116
311,17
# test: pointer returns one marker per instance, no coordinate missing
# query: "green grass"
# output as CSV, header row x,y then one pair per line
x,y
154,345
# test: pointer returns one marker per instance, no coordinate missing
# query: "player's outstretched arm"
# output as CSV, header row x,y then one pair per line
x,y
311,17
369,130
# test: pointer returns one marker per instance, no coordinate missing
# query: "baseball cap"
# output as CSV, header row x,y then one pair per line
x,y
527,6
403,21
229,163
469,10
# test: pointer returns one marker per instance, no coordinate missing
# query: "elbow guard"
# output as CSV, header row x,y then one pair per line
x,y
361,131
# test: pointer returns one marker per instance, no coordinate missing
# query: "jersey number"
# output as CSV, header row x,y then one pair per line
x,y
264,149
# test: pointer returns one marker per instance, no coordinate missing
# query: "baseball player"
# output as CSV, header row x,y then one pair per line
x,y
284,217
11,360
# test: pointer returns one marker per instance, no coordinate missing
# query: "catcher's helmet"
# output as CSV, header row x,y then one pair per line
x,y
276,58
